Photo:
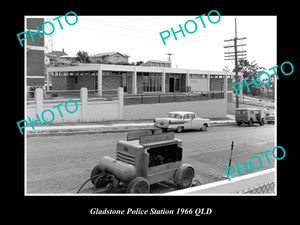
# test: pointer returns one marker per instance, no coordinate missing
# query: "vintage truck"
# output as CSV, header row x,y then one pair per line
x,y
145,158
249,116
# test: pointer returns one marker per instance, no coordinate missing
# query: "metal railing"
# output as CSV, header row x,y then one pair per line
x,y
266,188
129,99
150,98
62,95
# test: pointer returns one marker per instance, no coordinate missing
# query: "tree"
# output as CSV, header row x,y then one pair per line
x,y
249,69
82,57
139,63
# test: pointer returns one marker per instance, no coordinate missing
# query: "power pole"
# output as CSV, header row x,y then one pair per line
x,y
234,55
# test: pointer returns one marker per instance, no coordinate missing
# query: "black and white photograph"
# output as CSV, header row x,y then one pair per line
x,y
143,106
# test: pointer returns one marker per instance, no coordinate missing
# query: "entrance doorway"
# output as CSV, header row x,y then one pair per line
x,y
174,84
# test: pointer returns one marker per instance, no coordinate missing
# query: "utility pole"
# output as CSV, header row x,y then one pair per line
x,y
234,55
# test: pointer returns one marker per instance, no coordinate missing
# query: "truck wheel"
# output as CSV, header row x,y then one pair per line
x,y
261,122
250,123
98,178
138,185
179,129
184,176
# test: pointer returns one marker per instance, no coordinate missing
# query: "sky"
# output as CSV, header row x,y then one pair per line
x,y
139,37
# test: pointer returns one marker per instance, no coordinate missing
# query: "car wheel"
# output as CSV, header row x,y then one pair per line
x,y
179,129
138,185
184,176
204,128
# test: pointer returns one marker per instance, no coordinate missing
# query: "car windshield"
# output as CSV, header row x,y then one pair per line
x,y
175,115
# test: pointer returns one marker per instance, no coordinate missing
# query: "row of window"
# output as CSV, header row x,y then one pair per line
x,y
71,73
160,64
114,73
211,76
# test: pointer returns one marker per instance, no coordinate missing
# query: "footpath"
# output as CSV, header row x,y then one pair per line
x,y
107,127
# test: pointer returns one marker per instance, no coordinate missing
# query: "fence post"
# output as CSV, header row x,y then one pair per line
x,y
121,102
39,100
84,105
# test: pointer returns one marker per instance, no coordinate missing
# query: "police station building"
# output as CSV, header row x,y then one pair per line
x,y
138,79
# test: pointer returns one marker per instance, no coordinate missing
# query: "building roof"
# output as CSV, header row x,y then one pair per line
x,y
109,54
161,61
130,68
57,53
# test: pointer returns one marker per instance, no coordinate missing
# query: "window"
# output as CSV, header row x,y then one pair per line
x,y
186,116
113,73
193,116
106,73
145,82
174,115
151,82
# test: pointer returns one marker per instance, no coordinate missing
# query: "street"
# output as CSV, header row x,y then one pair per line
x,y
60,164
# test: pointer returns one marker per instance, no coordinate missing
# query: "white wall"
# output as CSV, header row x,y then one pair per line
x,y
92,111
88,111
206,109
104,111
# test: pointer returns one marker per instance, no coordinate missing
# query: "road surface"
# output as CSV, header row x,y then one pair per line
x,y
60,164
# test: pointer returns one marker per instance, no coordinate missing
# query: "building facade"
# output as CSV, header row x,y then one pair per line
x,y
138,79
35,72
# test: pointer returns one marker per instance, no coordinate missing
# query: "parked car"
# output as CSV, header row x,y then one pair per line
x,y
270,118
249,116
181,120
